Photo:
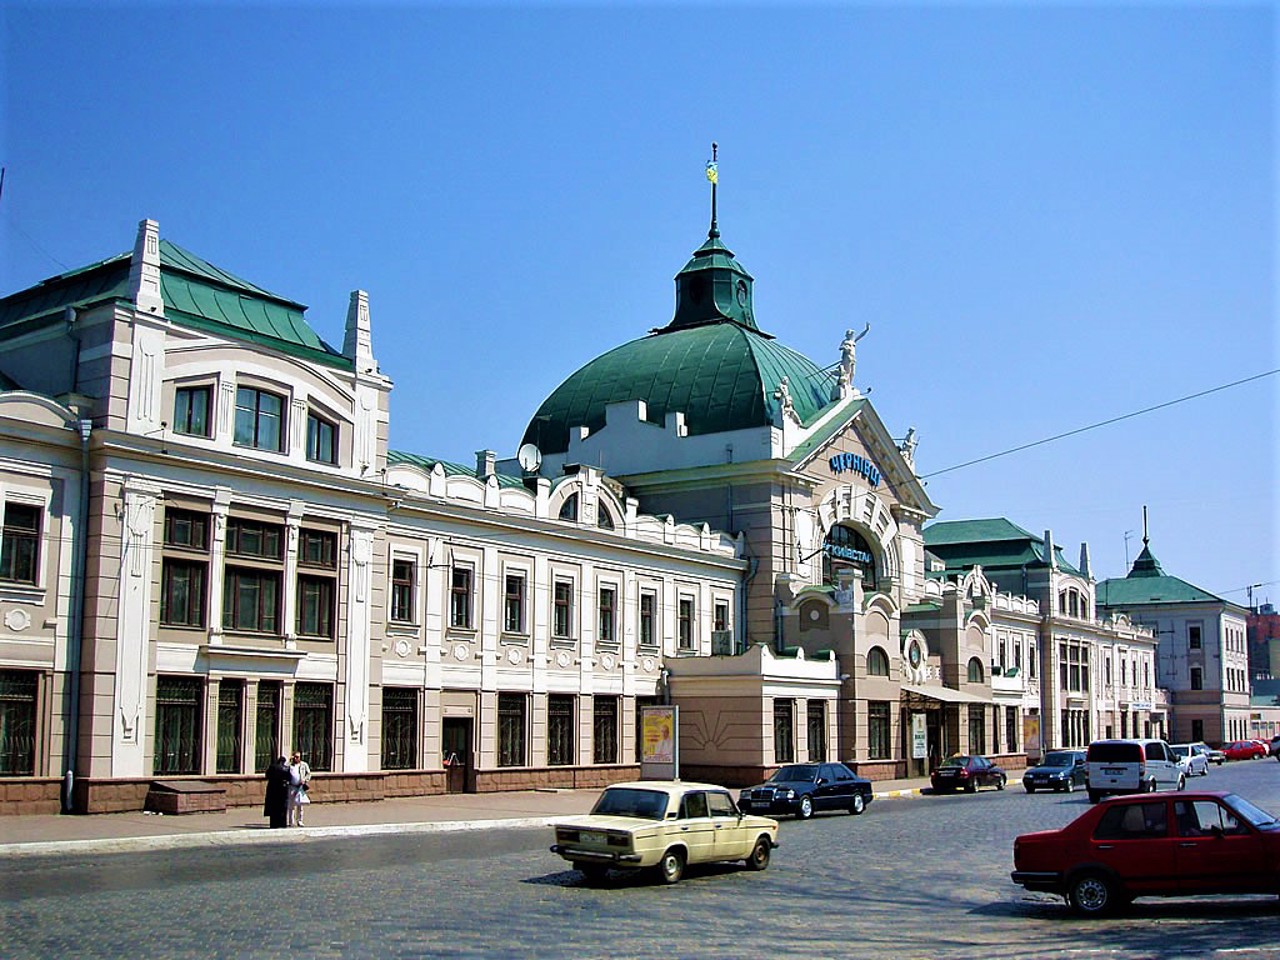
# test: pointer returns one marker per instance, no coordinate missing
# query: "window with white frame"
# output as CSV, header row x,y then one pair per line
x,y
191,406
608,615
404,578
513,603
20,549
461,587
686,638
648,617
562,609
322,439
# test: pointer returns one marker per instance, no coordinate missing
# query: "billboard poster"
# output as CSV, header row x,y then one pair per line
x,y
919,737
660,753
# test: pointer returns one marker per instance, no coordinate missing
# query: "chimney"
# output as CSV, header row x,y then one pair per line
x,y
1085,566
486,463
1051,555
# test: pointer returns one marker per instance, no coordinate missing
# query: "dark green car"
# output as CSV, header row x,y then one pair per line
x,y
1061,770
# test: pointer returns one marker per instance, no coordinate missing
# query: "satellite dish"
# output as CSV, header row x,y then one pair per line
x,y
529,457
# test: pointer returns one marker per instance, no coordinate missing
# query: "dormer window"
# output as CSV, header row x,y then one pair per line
x,y
603,518
569,509
191,410
322,439
259,419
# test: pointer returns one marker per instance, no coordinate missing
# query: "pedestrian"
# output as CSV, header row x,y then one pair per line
x,y
299,780
276,804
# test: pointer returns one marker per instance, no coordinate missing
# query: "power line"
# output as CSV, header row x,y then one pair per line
x,y
1101,423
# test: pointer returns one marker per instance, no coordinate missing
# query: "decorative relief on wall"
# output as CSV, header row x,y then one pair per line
x,y
401,648
17,620
648,664
563,659
608,661
460,652
513,656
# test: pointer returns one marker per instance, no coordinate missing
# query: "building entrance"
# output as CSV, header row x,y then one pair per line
x,y
455,750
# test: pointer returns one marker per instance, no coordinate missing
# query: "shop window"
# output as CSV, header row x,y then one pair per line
x,y
230,725
259,419
191,410
177,746
784,734
560,730
313,724
399,728
877,662
511,729
403,580
19,690
20,547
878,730
604,730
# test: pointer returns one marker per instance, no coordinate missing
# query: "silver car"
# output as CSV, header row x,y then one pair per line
x,y
1192,758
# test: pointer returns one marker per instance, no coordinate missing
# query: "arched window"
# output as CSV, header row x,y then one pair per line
x,y
603,518
975,670
877,663
845,548
569,509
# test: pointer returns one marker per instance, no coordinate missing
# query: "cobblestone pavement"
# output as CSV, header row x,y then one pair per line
x,y
912,878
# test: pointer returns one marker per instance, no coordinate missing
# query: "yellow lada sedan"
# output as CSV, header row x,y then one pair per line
x,y
665,825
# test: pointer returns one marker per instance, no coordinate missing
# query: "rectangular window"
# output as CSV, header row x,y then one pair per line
x,y
608,615
562,614
977,727
251,600
267,725
399,728
177,747
1011,729
230,725
1193,637
1031,660
878,730
259,419
817,730
604,730
20,548
721,616
648,609
560,730
511,727
313,724
318,548
403,579
182,592
460,597
252,538
1197,678
315,606
191,411
322,440
18,693
513,604
784,734
186,528
685,623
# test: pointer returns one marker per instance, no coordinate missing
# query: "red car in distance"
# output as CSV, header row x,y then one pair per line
x,y
1153,845
1244,750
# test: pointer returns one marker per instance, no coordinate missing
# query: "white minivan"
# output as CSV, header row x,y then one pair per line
x,y
1132,766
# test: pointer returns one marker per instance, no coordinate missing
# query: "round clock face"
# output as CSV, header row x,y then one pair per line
x,y
913,653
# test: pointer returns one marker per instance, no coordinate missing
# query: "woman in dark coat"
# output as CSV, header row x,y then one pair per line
x,y
276,806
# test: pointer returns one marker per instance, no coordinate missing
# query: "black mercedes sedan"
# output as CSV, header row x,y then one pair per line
x,y
802,789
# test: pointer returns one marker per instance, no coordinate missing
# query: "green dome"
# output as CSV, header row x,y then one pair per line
x,y
720,375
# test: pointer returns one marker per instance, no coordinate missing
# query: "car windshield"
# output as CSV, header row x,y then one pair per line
x,y
1255,816
797,771
956,762
1179,751
632,802
1058,760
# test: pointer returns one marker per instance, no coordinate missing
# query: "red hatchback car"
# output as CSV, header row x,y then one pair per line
x,y
1244,750
1153,845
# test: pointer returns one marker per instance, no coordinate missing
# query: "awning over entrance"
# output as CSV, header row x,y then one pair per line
x,y
944,694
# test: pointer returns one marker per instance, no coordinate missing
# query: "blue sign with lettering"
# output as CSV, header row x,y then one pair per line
x,y
847,553
859,465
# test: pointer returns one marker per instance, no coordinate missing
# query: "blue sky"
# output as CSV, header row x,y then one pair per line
x,y
1051,215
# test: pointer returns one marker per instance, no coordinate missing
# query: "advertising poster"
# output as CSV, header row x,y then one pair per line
x,y
660,756
919,737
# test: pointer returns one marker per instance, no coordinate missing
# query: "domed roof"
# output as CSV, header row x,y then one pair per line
x,y
711,363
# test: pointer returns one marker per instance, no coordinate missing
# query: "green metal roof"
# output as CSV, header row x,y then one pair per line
x,y
1148,584
722,376
824,435
195,293
992,544
450,469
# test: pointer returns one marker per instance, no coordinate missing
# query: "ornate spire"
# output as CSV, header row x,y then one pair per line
x,y
713,174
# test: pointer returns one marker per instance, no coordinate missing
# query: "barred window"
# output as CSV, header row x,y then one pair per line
x,y
560,730
313,724
817,730
399,728
403,577
267,725
784,735
511,727
878,730
604,730
177,747
18,694
20,548
230,725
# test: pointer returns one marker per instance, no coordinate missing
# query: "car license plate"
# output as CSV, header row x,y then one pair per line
x,y
1113,771
588,836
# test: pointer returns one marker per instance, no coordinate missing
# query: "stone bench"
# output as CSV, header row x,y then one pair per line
x,y
185,796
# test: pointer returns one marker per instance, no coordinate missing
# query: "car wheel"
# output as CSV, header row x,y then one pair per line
x,y
1092,895
1000,782
759,858
858,805
671,866
593,873
806,808
971,786
1029,788
1070,786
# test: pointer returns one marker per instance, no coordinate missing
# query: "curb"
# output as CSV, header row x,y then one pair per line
x,y
913,792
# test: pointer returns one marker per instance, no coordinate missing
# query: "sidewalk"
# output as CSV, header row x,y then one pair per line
x,y
125,832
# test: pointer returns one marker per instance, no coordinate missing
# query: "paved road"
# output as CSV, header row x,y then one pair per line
x,y
912,878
